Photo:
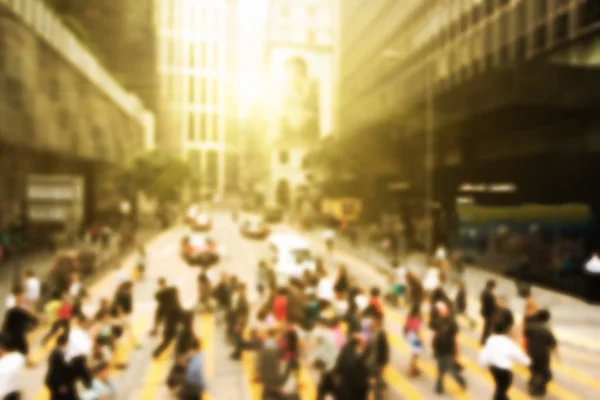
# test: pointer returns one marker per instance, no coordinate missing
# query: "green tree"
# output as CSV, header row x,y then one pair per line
x,y
158,175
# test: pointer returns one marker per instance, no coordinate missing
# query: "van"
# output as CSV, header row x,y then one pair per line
x,y
290,256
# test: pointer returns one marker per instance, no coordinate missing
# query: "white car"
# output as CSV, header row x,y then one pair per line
x,y
291,256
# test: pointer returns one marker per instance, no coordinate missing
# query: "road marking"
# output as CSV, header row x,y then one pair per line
x,y
207,327
169,248
157,373
430,370
400,384
553,388
308,390
248,364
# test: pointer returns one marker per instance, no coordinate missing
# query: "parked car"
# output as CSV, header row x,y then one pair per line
x,y
254,227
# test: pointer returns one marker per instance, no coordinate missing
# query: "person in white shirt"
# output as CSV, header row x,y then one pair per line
x,y
33,289
11,368
325,289
431,281
325,356
76,286
499,354
79,348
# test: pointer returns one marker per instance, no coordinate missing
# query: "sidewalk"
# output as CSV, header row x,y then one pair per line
x,y
575,322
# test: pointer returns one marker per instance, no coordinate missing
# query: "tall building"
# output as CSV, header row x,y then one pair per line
x,y
300,61
197,67
483,91
122,36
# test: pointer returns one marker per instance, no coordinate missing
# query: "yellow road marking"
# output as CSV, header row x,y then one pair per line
x,y
208,340
430,370
308,390
157,374
577,376
400,384
250,373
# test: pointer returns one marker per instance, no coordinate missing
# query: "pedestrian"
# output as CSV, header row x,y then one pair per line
x,y
262,284
530,316
352,317
290,345
12,363
204,292
325,355
241,311
416,292
33,290
375,300
458,265
64,312
414,337
162,297
351,370
503,314
172,318
185,343
342,283
18,321
438,295
432,279
102,387
59,378
499,354
488,308
194,384
399,287
280,305
123,309
541,343
78,303
325,287
222,295
460,304
268,367
377,355
79,347
445,347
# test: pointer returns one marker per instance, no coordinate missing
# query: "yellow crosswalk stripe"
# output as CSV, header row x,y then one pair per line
x,y
157,374
248,361
207,337
430,370
308,390
577,376
400,384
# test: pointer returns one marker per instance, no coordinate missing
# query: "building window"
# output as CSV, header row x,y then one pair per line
x,y
203,127
212,169
192,56
284,157
561,27
192,89
215,127
191,123
203,96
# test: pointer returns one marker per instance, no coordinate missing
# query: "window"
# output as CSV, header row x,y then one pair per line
x,y
192,89
539,38
215,127
561,27
192,55
203,96
212,168
191,126
284,157
215,93
203,127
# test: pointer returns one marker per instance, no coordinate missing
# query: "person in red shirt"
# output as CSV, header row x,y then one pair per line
x,y
375,300
63,317
280,306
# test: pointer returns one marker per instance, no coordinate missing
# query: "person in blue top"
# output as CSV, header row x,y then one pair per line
x,y
195,380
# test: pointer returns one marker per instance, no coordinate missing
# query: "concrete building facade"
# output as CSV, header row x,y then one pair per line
x,y
197,68
300,61
61,113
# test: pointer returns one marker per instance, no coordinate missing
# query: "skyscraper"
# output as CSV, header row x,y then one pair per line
x,y
197,69
301,64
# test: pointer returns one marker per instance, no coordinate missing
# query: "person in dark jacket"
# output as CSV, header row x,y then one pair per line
x,y
437,295
185,343
377,355
18,321
240,313
351,370
444,347
171,323
342,283
541,343
268,367
488,309
60,379
416,293
460,303
163,297
222,295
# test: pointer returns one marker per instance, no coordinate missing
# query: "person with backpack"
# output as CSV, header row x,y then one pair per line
x,y
377,355
445,347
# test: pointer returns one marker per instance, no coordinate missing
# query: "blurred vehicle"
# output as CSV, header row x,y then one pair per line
x,y
342,209
202,223
273,213
291,257
254,227
199,249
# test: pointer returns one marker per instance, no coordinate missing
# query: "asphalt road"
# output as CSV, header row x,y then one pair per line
x,y
577,376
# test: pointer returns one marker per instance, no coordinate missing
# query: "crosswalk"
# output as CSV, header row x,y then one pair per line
x,y
570,384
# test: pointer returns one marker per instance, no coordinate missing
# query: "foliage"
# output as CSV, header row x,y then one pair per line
x,y
158,175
